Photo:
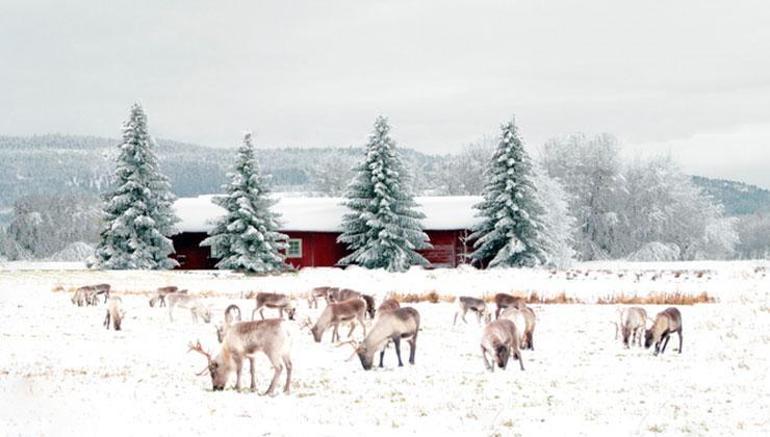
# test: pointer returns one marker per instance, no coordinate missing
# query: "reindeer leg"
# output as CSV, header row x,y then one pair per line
x,y
170,310
680,340
238,369
530,342
280,313
382,355
107,321
489,367
665,343
352,327
253,386
397,342
288,364
252,312
455,320
412,349
497,316
278,367
335,335
262,314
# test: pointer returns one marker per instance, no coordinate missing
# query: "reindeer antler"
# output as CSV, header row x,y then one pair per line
x,y
198,348
351,342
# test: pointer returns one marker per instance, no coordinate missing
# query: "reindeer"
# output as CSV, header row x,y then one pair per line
x,y
244,340
103,289
632,325
320,292
273,300
161,293
402,323
116,312
501,341
504,301
524,319
337,312
478,306
339,295
183,300
388,305
232,314
666,322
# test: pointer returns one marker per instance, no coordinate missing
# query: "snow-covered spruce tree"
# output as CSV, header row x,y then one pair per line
x,y
559,226
382,229
247,237
510,232
138,214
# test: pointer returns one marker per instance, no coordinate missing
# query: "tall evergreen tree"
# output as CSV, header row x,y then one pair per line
x,y
383,228
247,237
510,233
138,214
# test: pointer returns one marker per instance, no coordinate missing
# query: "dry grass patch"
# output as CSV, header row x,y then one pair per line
x,y
658,299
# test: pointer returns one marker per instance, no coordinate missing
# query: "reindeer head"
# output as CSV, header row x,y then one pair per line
x,y
206,315
648,338
290,310
365,355
502,354
219,367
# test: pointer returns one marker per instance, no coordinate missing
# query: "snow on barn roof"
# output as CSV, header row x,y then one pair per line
x,y
324,214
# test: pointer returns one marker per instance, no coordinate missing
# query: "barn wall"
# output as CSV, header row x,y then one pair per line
x,y
319,249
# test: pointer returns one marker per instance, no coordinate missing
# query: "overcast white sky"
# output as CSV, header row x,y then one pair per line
x,y
687,77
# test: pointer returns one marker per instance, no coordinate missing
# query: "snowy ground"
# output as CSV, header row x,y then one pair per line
x,y
63,374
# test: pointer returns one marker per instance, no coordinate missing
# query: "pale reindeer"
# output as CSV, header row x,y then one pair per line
x,y
335,313
503,301
183,300
501,341
320,292
244,340
392,326
85,295
232,315
115,312
666,323
525,320
632,325
478,306
277,301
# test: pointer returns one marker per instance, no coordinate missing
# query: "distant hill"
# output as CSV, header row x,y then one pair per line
x,y
738,198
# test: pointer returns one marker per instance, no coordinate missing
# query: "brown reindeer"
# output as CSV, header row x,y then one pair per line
x,y
338,295
273,300
320,292
115,312
244,340
666,323
478,306
504,301
338,312
402,323
501,341
161,293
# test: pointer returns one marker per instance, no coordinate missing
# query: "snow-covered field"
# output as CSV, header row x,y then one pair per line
x,y
62,373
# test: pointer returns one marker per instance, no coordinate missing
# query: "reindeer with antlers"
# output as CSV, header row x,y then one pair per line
x,y
401,323
244,340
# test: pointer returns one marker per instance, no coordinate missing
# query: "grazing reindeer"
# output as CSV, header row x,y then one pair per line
x,y
103,289
337,312
183,300
320,292
232,315
339,295
504,301
161,293
524,319
244,340
501,341
666,322
468,303
632,325
116,312
273,300
402,323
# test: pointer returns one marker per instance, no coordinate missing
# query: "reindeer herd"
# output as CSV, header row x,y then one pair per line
x,y
503,339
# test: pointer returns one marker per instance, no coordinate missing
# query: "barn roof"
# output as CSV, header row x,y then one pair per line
x,y
324,214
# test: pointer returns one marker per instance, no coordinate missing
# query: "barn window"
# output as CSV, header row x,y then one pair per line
x,y
295,248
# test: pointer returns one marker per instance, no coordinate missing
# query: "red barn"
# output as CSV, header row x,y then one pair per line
x,y
314,223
